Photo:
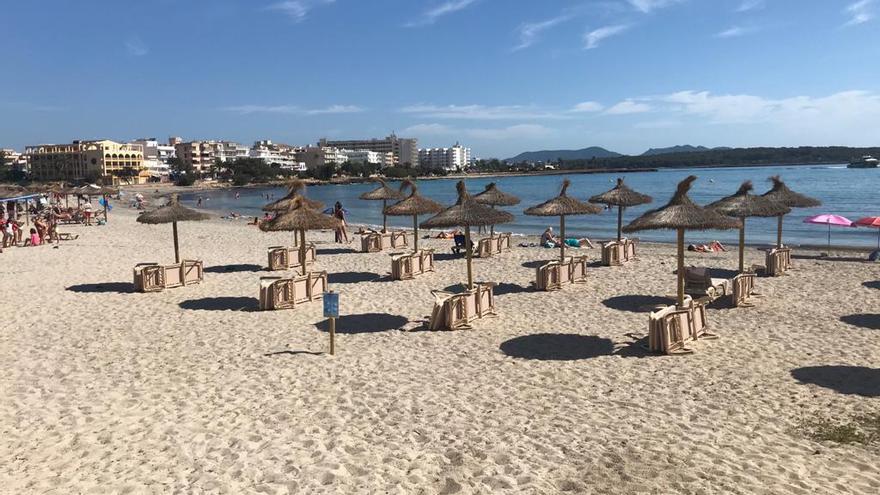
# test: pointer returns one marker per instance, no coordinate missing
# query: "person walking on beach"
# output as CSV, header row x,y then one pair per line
x,y
339,213
199,202
87,212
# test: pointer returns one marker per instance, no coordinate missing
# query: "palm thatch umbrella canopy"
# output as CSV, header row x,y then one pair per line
x,y
783,195
296,190
413,205
382,193
681,214
467,213
742,204
622,197
300,218
562,206
12,191
493,196
172,213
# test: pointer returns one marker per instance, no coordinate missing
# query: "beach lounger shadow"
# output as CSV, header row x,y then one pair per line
x,y
364,323
225,303
234,268
352,277
557,347
635,303
332,251
869,321
505,288
849,380
535,264
103,288
872,285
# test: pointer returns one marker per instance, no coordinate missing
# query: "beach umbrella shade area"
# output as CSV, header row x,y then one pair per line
x,y
412,206
829,220
382,193
172,213
467,213
622,197
870,222
562,206
681,214
743,204
492,196
296,189
300,218
781,194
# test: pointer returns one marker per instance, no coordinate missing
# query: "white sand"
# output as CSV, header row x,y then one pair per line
x,y
107,391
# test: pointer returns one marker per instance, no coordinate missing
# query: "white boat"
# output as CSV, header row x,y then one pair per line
x,y
866,161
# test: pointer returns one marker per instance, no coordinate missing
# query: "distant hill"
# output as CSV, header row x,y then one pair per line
x,y
552,155
684,148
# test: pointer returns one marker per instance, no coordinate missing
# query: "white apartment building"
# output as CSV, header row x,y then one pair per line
x,y
317,156
157,156
366,156
228,151
13,160
286,160
453,159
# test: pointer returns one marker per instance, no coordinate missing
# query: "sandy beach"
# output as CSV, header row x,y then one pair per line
x,y
193,390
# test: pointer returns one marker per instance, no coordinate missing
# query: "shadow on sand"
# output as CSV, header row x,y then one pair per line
x,y
850,380
557,347
869,321
331,251
872,285
292,353
103,288
352,277
636,303
364,323
234,268
222,304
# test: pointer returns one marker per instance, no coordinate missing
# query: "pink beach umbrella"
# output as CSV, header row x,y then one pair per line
x,y
870,222
829,220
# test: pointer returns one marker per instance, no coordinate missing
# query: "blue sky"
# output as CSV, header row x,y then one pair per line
x,y
501,76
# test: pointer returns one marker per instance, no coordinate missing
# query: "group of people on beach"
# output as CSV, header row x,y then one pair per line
x,y
44,230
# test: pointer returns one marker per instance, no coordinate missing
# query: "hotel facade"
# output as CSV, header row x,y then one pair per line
x,y
405,151
109,161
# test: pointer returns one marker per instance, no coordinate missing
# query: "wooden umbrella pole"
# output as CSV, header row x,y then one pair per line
x,y
384,216
742,244
562,238
492,228
779,231
302,250
176,245
680,270
106,208
619,223
467,249
415,233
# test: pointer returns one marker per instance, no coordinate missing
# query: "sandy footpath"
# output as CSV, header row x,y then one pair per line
x,y
194,391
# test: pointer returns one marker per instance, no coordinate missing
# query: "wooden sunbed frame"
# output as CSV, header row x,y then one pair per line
x,y
405,266
288,292
457,311
153,277
285,258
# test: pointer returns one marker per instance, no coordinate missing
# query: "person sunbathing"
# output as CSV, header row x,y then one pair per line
x,y
549,240
448,235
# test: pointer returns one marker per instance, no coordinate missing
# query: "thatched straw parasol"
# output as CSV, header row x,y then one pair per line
x,y
622,197
742,204
383,193
782,194
493,197
12,192
297,189
681,214
562,206
172,213
300,218
467,213
413,205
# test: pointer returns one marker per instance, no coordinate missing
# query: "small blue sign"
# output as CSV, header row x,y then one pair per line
x,y
331,305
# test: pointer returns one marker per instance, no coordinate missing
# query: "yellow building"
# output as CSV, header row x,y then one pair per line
x,y
105,160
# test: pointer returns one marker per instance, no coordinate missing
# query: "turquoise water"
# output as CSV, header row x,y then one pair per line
x,y
847,192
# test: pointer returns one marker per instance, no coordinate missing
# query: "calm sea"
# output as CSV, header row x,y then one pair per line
x,y
848,192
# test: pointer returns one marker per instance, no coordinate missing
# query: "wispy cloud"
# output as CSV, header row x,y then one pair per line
x,y
518,131
481,112
297,10
627,107
587,107
859,12
648,6
530,32
292,109
431,15
136,47
749,5
736,31
594,37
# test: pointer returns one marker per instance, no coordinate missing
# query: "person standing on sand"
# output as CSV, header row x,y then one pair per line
x,y
339,213
199,202
87,212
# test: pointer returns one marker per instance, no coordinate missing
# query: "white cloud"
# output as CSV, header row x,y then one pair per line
x,y
594,37
530,31
481,112
647,6
859,12
136,47
520,131
658,124
749,5
431,16
587,106
297,10
428,130
735,32
292,109
627,107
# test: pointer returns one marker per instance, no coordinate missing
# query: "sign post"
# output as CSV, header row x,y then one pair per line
x,y
331,311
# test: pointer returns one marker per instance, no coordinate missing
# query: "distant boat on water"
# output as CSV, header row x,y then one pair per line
x,y
866,161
